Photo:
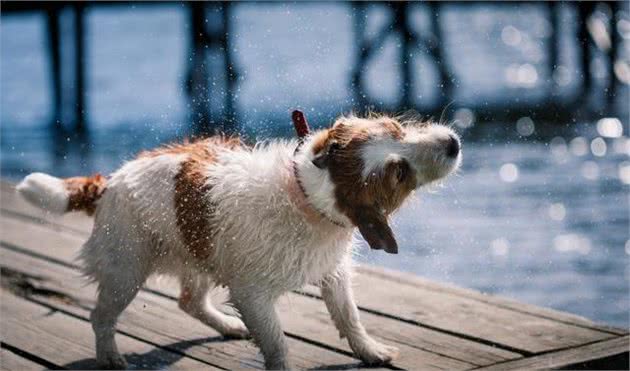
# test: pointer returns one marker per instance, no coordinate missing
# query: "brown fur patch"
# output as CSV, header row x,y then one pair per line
x,y
367,202
194,147
84,192
192,208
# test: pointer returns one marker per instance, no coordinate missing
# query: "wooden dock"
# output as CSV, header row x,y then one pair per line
x,y
45,306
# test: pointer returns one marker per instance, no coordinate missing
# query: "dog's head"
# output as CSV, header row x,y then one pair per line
x,y
375,163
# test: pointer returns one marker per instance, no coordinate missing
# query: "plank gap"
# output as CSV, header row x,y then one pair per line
x,y
31,357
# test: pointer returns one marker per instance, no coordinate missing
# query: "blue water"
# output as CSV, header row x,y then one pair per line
x,y
541,218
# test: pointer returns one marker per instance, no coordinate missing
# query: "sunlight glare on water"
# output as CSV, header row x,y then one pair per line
x,y
572,242
511,35
610,127
624,172
590,170
578,146
508,172
557,211
500,247
598,147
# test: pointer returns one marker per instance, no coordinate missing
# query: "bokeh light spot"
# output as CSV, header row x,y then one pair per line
x,y
557,211
562,76
624,172
525,126
511,36
598,147
508,172
578,146
590,170
610,127
572,243
464,118
500,247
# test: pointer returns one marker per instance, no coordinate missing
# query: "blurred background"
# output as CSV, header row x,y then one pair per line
x,y
538,90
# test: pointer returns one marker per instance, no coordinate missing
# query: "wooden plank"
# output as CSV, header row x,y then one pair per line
x,y
158,320
501,302
308,318
68,341
10,361
419,347
477,320
573,358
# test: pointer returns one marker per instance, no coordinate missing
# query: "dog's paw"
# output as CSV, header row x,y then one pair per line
x,y
277,365
372,352
112,361
234,328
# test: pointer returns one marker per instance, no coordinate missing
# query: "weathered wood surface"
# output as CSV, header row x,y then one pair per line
x,y
435,326
10,361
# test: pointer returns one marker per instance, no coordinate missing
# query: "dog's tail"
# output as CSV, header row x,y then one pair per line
x,y
59,196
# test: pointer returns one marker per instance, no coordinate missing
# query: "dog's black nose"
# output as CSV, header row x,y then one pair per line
x,y
452,150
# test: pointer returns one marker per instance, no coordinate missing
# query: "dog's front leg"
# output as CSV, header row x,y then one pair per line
x,y
337,294
259,315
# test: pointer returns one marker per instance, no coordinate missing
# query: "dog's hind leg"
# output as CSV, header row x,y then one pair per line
x,y
194,299
259,314
116,291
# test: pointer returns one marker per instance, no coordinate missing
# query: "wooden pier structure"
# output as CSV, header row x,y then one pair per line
x,y
208,28
45,308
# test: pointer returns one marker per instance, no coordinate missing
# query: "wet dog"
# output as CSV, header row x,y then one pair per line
x,y
260,220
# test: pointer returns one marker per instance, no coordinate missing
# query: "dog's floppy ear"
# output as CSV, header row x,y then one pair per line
x,y
375,230
322,159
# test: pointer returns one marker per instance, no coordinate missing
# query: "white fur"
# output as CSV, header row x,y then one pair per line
x,y
45,191
262,246
424,147
318,185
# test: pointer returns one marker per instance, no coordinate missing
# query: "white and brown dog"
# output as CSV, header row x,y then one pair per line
x,y
260,220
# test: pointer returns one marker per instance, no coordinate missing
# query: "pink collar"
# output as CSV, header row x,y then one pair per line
x,y
296,189
298,195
